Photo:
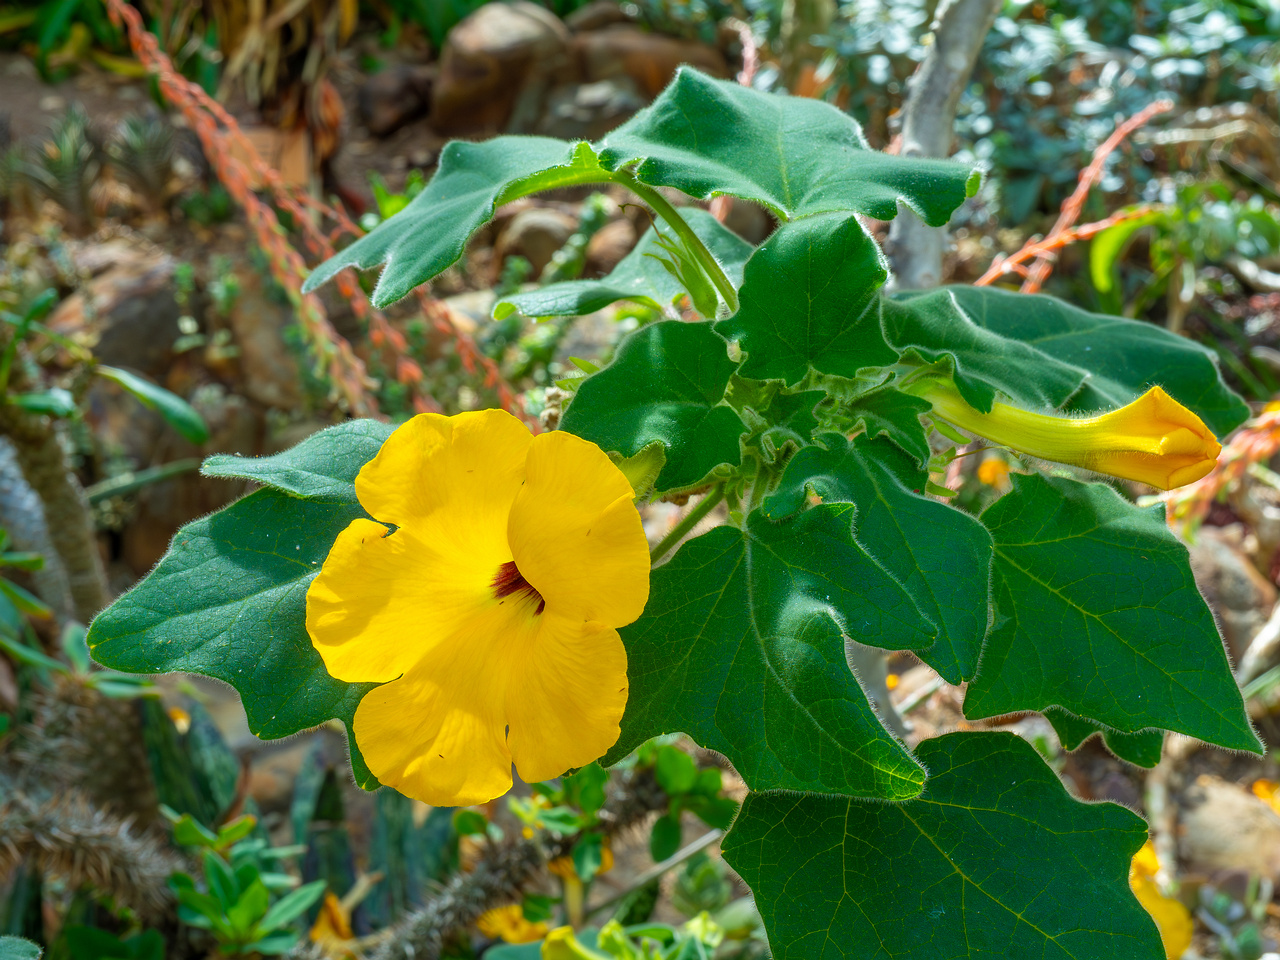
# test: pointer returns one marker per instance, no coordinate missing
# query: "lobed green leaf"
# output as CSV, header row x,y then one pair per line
x,y
742,647
1141,749
1098,613
993,860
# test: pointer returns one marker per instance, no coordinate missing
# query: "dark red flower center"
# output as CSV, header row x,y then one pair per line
x,y
509,580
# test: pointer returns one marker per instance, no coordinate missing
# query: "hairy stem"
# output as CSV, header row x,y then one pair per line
x,y
687,523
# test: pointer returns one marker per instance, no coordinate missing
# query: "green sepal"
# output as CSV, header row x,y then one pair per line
x,y
742,647
639,276
321,467
666,383
1142,749
809,301
796,155
940,555
993,860
1098,613
228,600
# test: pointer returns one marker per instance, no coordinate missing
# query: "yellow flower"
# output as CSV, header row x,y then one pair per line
x,y
1171,917
561,944
508,923
488,610
1154,439
994,473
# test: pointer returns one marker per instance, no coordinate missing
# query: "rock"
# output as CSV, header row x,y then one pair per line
x,y
588,111
597,15
1238,594
269,373
1224,827
650,59
497,68
611,243
535,234
127,312
392,97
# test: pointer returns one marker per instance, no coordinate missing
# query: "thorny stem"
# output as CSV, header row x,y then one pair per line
x,y
690,520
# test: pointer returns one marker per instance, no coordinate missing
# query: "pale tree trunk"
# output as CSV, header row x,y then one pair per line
x,y
929,117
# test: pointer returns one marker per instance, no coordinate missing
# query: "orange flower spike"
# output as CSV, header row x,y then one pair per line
x,y
1154,439
489,614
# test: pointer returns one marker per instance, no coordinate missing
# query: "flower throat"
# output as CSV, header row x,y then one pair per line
x,y
510,580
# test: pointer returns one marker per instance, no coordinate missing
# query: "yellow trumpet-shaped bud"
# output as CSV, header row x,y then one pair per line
x,y
1154,439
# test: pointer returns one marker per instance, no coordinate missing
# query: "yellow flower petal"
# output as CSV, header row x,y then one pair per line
x,y
1154,439
1171,917
574,527
488,614
508,923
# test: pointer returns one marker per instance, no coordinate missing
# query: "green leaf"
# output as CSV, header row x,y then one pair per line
x,y
245,913
177,412
941,556
273,945
934,326
675,771
896,415
221,879
666,383
292,905
90,943
55,402
587,855
1098,613
17,948
993,860
1141,749
808,301
665,837
470,823
229,601
24,600
1106,247
1121,358
639,276
796,155
432,232
791,420
741,647
586,788
321,467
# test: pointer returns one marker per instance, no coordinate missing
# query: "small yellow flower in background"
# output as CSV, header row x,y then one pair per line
x,y
994,472
508,923
1267,791
332,929
1172,918
489,613
1154,439
561,944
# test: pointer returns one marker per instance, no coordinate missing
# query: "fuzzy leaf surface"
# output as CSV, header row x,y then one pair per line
x,y
472,179
229,601
809,300
940,555
639,276
993,860
741,647
796,155
1097,612
1141,749
896,415
666,383
321,467
1121,357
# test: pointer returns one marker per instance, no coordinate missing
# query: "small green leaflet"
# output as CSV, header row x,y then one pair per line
x,y
18,948
1141,749
795,155
993,860
1097,612
666,383
229,601
890,413
809,301
472,180
639,277
741,647
941,556
177,412
321,467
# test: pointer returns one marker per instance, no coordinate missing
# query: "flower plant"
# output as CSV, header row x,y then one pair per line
x,y
364,577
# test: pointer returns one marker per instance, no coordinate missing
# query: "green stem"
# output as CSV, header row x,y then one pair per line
x,y
691,520
693,243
